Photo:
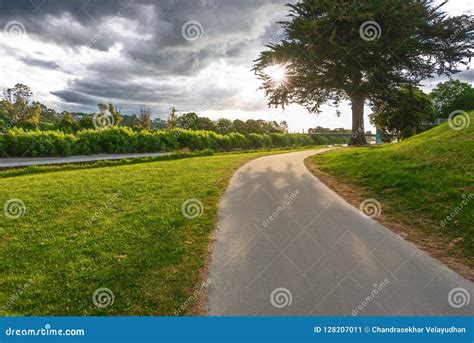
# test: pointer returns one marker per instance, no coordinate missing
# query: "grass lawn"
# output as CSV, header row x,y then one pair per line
x,y
419,182
118,226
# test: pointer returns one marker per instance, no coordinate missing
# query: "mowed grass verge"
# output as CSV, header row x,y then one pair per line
x,y
420,183
140,245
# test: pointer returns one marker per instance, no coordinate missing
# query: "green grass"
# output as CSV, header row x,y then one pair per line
x,y
7,172
140,246
419,181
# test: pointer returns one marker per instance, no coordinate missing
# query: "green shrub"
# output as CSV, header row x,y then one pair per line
x,y
259,141
28,125
238,141
280,140
324,140
35,143
46,126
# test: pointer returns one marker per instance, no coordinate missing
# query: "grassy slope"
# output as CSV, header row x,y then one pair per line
x,y
419,181
141,247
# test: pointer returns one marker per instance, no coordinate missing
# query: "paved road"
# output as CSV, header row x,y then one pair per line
x,y
318,255
38,161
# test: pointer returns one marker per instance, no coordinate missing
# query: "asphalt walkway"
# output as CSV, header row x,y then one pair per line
x,y
288,245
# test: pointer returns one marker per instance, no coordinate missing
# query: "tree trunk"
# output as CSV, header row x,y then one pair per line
x,y
358,132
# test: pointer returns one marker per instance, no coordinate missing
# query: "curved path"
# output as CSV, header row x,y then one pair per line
x,y
288,245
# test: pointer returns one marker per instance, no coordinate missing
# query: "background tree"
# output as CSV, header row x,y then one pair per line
x,y
452,96
115,113
33,114
255,126
239,126
204,123
187,121
86,122
172,118
68,123
158,124
284,126
130,120
47,114
103,117
18,92
17,106
276,127
18,109
402,113
320,129
338,50
111,111
144,117
224,125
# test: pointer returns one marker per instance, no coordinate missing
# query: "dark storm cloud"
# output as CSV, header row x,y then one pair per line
x,y
40,63
77,23
74,97
149,34
103,88
71,23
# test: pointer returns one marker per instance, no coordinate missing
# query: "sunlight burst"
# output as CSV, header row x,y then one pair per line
x,y
277,73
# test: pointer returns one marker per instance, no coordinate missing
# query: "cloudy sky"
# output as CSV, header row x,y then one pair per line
x,y
195,55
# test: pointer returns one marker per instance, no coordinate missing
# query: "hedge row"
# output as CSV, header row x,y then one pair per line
x,y
17,142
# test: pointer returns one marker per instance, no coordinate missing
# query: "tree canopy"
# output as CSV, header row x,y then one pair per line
x,y
451,96
403,112
18,108
360,51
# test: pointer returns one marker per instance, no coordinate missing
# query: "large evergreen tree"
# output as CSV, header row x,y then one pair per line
x,y
360,50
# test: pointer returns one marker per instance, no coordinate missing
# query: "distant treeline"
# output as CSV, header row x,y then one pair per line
x,y
18,110
401,118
